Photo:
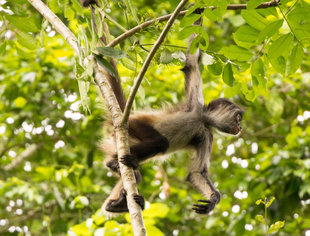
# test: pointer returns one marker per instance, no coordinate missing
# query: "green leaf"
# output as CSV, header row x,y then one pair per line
x,y
189,20
258,72
25,24
20,102
79,202
216,68
69,13
279,63
194,45
281,45
98,217
2,48
156,210
204,41
111,52
254,19
228,75
295,59
259,201
165,57
198,4
186,32
270,202
276,226
132,10
261,219
213,15
81,230
234,52
246,36
252,4
27,40
105,64
99,23
270,30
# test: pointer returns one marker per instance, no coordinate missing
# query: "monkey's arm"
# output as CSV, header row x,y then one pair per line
x,y
198,176
193,83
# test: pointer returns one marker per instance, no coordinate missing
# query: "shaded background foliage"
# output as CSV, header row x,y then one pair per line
x,y
53,180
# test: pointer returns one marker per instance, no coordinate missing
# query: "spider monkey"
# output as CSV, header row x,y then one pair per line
x,y
189,125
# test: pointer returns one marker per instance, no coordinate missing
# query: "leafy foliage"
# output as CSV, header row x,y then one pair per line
x,y
53,180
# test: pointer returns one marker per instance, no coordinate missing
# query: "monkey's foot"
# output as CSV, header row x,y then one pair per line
x,y
113,165
130,161
118,205
209,204
139,200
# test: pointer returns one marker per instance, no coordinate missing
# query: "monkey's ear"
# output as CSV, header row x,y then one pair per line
x,y
87,3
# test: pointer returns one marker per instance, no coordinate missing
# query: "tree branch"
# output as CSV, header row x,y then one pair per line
x,y
144,25
22,157
121,132
148,60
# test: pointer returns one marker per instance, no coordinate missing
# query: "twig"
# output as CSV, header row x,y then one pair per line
x,y
60,27
148,60
22,157
112,20
144,25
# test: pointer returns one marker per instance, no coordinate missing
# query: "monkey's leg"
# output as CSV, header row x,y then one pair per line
x,y
198,176
117,201
152,143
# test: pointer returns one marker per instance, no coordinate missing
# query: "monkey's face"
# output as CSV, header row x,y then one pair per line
x,y
236,128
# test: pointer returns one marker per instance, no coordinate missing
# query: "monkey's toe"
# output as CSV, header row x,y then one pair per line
x,y
204,208
139,200
130,161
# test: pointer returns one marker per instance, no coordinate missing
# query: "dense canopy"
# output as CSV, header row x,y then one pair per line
x,y
52,177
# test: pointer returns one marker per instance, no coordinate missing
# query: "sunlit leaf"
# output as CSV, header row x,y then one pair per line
x,y
270,30
254,19
281,46
189,20
228,75
252,4
276,226
261,219
269,202
20,102
234,52
246,36
156,210
295,59
111,52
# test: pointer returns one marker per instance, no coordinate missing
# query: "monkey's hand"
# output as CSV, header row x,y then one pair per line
x,y
130,161
139,200
210,204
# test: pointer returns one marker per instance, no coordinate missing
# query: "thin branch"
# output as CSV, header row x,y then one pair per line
x,y
289,25
28,152
60,27
144,25
112,20
148,60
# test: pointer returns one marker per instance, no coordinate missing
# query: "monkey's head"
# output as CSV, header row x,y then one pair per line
x,y
225,116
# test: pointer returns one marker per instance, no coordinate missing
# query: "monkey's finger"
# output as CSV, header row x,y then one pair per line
x,y
199,205
205,201
199,211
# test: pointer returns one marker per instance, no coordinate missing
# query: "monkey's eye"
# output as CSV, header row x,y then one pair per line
x,y
238,117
